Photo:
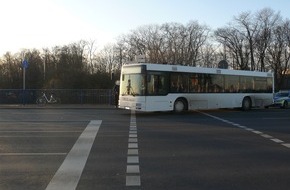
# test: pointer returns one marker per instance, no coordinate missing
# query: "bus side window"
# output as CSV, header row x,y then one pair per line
x,y
184,83
173,81
173,87
195,83
162,84
157,84
179,82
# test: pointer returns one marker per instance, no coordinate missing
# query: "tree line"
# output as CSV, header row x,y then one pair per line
x,y
250,41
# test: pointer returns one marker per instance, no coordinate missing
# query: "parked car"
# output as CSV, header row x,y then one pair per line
x,y
282,99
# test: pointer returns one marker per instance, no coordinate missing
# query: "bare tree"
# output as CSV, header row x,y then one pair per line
x,y
91,53
235,42
105,59
278,54
209,56
196,38
174,41
10,71
171,43
248,28
267,19
120,56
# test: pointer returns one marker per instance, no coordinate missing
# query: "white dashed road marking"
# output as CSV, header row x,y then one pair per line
x,y
249,129
286,144
69,173
133,170
277,140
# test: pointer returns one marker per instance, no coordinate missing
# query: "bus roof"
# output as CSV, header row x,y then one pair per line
x,y
190,69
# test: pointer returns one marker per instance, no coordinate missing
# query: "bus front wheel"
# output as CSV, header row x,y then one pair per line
x,y
180,105
246,104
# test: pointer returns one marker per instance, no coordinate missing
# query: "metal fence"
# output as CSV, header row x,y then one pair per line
x,y
67,96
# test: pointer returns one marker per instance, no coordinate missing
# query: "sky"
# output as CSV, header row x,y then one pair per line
x,y
28,24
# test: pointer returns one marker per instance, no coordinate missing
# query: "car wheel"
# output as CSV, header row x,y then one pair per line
x,y
285,105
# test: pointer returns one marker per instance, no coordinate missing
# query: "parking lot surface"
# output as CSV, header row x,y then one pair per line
x,y
106,148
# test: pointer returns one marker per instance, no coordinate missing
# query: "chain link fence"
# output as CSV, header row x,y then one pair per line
x,y
67,96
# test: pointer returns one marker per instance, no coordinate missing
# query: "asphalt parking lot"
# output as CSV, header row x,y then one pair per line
x,y
93,147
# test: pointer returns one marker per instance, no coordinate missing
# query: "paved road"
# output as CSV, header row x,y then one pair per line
x,y
105,148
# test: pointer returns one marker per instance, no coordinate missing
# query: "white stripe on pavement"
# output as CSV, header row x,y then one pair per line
x,y
69,173
133,170
248,129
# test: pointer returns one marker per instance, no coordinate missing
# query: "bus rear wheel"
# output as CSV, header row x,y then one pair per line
x,y
180,105
246,104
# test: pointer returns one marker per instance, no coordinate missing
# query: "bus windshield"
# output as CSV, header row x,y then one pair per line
x,y
133,84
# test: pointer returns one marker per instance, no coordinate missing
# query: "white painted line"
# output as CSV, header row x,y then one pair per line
x,y
243,127
133,169
249,129
133,159
132,135
133,140
133,152
33,154
69,173
133,181
267,136
277,140
286,144
257,132
132,145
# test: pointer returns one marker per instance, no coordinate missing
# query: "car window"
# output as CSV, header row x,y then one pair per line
x,y
282,94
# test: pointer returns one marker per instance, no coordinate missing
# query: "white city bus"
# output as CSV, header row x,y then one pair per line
x,y
160,87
